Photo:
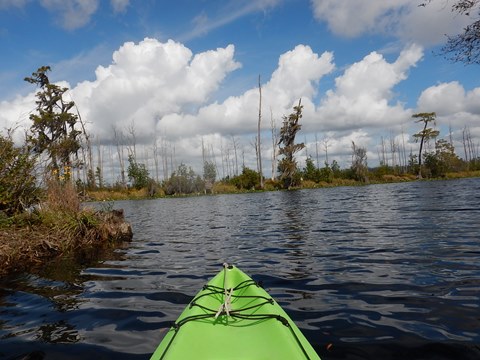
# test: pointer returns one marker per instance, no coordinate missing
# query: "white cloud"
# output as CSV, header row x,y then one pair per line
x,y
72,14
229,12
150,80
14,115
453,105
119,6
163,89
449,98
353,18
364,93
297,76
402,19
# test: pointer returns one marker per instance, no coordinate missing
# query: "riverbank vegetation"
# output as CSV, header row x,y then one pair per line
x,y
59,227
41,215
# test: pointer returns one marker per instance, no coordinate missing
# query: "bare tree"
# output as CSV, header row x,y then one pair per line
x,y
464,47
383,158
119,140
235,146
404,152
393,150
274,144
156,154
132,143
259,142
359,162
326,140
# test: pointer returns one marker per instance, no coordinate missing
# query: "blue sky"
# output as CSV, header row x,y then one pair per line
x,y
184,71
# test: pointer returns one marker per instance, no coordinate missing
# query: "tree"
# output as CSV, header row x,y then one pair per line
x,y
464,47
359,163
425,134
137,173
274,144
184,181
443,160
311,172
209,174
209,171
54,128
248,179
259,139
288,165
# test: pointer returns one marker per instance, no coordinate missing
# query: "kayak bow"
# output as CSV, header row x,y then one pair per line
x,y
232,317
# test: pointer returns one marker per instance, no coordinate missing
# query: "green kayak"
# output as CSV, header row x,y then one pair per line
x,y
232,317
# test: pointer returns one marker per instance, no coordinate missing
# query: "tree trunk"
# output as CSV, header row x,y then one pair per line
x,y
260,171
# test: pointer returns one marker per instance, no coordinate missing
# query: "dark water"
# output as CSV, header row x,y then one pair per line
x,y
376,272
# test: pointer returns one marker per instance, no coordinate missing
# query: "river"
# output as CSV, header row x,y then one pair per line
x,y
375,272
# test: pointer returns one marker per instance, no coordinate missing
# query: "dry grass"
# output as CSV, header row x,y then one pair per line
x,y
224,188
130,194
60,226
463,174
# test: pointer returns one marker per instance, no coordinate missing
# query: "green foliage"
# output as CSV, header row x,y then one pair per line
x,y
443,160
209,171
287,166
326,174
359,163
248,179
53,129
18,189
137,173
337,172
99,176
426,133
90,179
413,166
184,181
312,173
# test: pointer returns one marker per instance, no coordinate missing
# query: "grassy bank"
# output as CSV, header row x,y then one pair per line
x,y
221,187
59,227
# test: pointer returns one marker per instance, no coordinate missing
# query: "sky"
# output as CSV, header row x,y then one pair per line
x,y
184,73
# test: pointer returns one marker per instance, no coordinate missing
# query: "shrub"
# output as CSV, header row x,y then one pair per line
x,y
18,189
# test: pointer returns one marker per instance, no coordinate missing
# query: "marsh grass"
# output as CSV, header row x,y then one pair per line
x,y
57,227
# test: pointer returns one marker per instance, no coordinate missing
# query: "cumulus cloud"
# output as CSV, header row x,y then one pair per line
x,y
453,105
402,19
363,94
72,14
150,80
296,76
14,115
448,98
165,91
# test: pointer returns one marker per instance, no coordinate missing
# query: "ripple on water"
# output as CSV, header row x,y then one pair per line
x,y
383,271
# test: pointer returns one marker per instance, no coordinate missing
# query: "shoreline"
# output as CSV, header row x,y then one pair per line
x,y
221,188
31,244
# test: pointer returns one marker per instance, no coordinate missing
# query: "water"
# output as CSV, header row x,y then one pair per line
x,y
382,271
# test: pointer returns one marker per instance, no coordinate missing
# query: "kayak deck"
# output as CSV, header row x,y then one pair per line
x,y
232,317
